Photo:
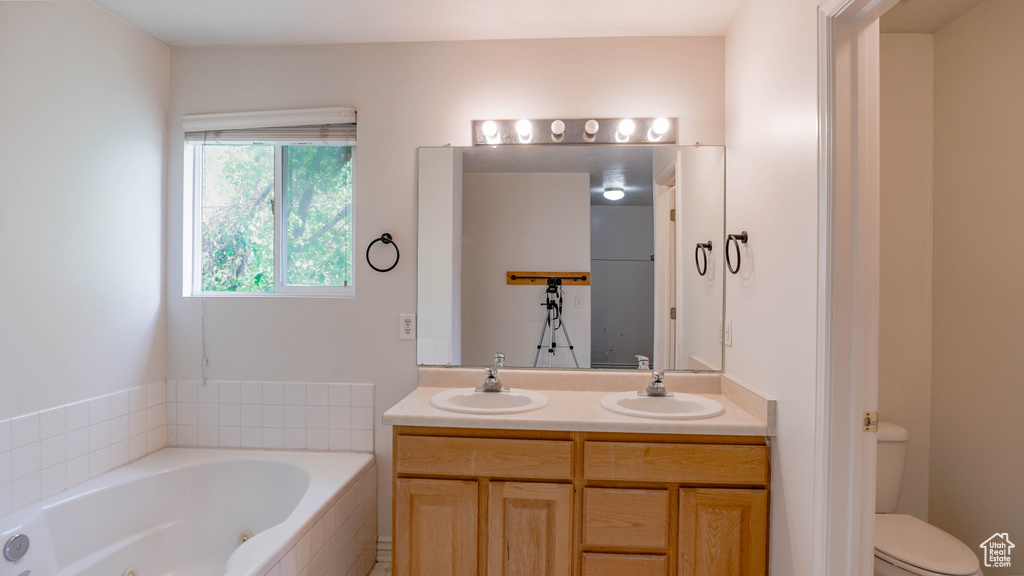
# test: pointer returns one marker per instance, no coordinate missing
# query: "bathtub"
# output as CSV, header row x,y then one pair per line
x,y
189,512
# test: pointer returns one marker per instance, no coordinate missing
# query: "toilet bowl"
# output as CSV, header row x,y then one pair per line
x,y
905,545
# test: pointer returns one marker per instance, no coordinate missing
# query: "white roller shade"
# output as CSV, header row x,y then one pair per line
x,y
309,125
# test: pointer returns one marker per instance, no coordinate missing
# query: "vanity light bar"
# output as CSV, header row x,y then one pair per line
x,y
575,131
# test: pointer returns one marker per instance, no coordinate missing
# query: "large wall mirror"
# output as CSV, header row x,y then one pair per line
x,y
540,212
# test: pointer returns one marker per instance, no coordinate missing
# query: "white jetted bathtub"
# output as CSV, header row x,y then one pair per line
x,y
190,512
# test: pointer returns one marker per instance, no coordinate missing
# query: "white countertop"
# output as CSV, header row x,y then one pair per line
x,y
575,410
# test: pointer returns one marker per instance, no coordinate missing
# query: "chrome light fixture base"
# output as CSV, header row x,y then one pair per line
x,y
575,131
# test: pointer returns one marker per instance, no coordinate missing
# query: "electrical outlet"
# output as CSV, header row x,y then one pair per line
x,y
406,326
728,332
719,330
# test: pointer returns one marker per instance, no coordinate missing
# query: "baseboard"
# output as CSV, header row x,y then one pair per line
x,y
384,549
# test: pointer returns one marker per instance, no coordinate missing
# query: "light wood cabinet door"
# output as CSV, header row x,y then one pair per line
x,y
529,529
435,527
722,532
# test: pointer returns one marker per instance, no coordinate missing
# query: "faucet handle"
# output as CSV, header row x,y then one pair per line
x,y
656,387
644,362
491,382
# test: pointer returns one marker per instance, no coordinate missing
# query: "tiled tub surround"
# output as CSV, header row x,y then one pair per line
x,y
270,415
319,518
342,541
46,452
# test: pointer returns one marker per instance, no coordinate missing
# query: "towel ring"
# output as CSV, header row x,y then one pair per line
x,y
386,239
735,239
702,250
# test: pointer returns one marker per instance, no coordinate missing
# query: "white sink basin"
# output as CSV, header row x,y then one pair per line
x,y
677,407
469,401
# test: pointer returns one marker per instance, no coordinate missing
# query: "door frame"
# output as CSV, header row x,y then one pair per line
x,y
848,262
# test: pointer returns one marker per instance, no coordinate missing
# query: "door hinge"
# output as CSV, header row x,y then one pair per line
x,y
871,421
672,313
672,215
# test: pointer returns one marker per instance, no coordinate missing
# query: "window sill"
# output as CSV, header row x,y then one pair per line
x,y
312,293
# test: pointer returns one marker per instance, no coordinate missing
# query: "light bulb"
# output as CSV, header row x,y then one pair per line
x,y
490,129
614,193
558,127
660,126
524,128
590,128
626,127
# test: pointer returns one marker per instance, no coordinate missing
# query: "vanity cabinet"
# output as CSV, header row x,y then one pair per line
x,y
543,503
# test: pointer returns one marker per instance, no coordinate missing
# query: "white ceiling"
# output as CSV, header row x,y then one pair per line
x,y
923,16
280,22
295,22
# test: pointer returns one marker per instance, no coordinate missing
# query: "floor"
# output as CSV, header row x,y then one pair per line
x,y
381,569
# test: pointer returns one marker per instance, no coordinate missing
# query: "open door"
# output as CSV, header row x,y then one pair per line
x,y
666,266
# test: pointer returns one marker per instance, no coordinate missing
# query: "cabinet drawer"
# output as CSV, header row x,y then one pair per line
x,y
595,564
707,464
625,518
484,457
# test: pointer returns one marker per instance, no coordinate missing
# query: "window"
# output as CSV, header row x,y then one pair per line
x,y
272,210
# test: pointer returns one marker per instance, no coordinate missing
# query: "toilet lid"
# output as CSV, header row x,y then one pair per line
x,y
917,543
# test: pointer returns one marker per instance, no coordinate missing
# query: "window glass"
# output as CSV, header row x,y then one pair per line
x,y
273,217
317,207
237,234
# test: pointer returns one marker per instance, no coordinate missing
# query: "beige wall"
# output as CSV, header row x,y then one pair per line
x,y
407,95
82,107
905,268
977,437
772,182
523,221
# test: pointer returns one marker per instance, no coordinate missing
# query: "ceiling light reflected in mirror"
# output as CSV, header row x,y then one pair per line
x,y
614,194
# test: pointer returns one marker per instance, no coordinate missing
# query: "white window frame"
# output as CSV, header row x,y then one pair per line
x,y
192,212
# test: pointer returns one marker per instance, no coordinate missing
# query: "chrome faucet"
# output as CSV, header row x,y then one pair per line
x,y
499,359
644,362
491,382
655,388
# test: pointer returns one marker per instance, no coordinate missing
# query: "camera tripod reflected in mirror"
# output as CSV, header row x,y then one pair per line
x,y
553,297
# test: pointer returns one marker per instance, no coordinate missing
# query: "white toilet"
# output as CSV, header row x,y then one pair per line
x,y
905,545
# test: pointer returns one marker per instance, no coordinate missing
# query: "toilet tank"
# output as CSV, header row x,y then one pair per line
x,y
892,455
